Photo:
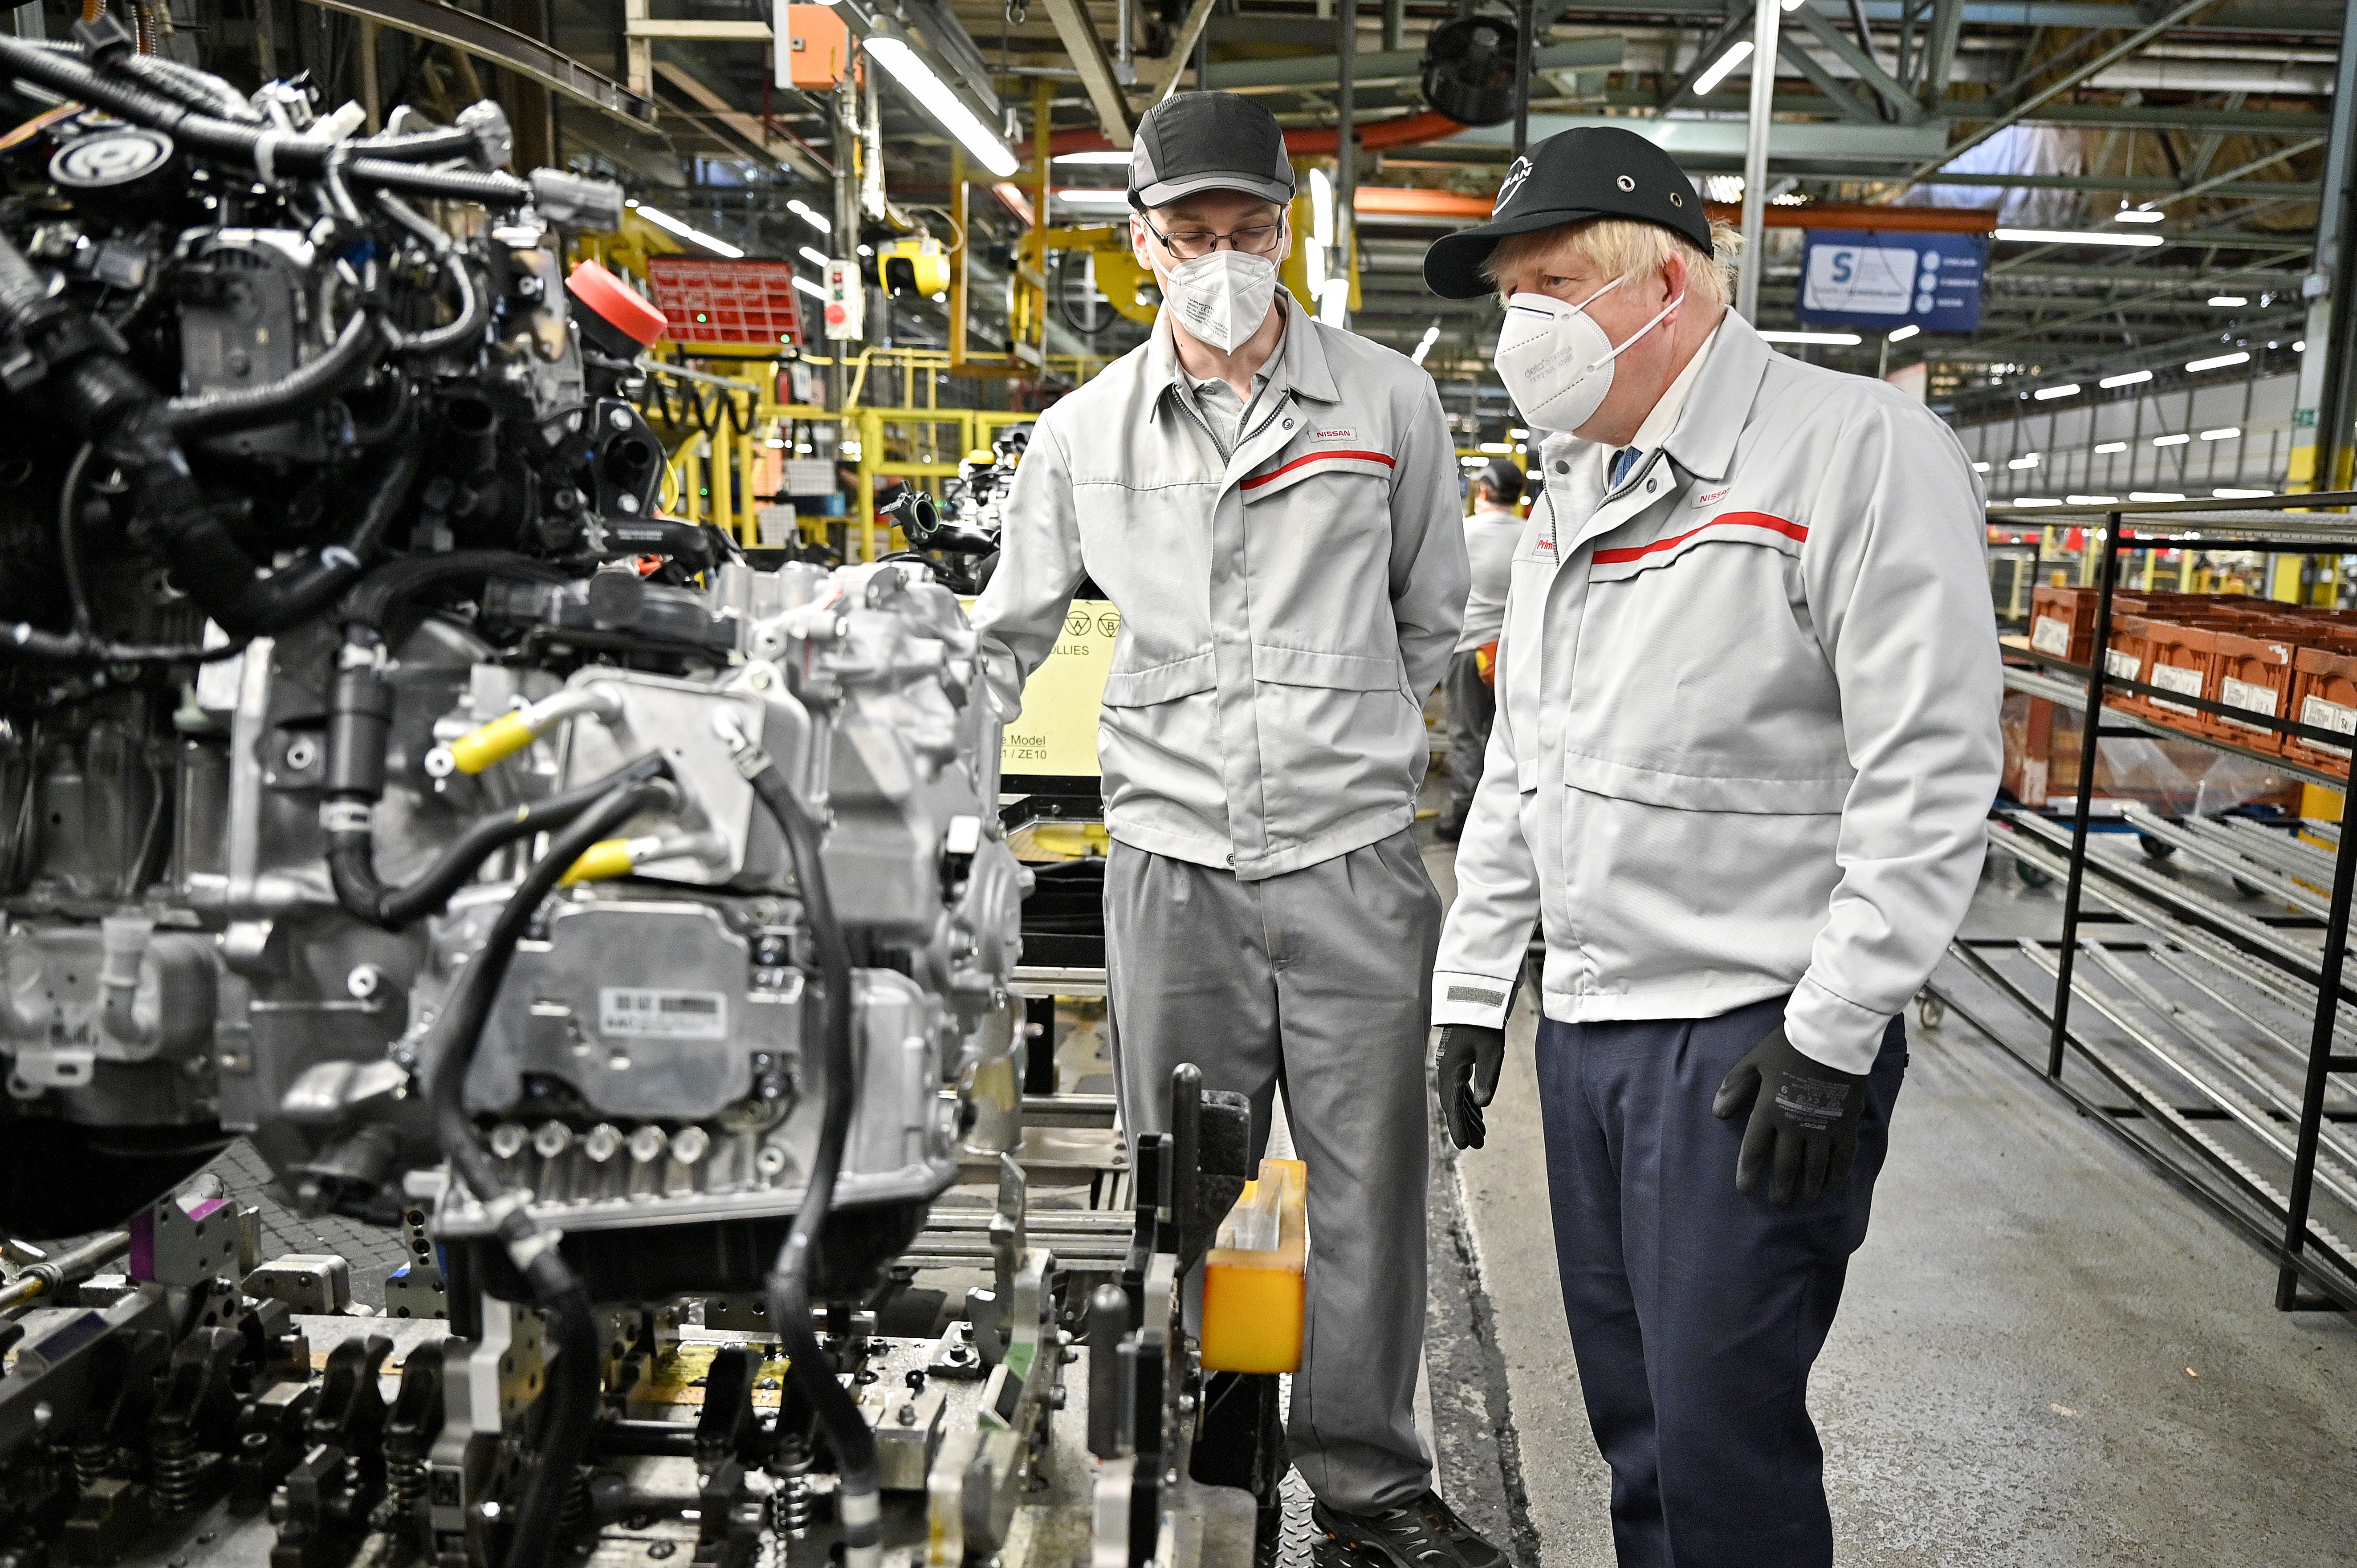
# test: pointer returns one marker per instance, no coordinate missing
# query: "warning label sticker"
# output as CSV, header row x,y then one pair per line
x,y
643,1013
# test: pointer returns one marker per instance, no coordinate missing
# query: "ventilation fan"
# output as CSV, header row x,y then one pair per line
x,y
1468,70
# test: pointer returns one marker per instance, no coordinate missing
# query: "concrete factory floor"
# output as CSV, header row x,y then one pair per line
x,y
2046,1354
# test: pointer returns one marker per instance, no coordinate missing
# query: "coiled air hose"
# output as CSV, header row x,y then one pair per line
x,y
449,1050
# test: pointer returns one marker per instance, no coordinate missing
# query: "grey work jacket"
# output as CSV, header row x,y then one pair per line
x,y
1746,733
1284,610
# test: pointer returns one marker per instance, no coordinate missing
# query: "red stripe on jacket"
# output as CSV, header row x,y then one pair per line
x,y
1384,458
1732,519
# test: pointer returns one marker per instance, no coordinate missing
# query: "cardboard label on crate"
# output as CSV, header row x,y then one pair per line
x,y
2049,635
2121,666
2176,678
2247,694
2329,716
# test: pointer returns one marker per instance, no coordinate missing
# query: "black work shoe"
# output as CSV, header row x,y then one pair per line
x,y
1421,1534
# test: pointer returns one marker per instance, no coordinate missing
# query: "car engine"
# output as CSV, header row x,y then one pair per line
x,y
385,781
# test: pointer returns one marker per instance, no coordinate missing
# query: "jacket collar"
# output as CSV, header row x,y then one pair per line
x,y
1721,401
1299,365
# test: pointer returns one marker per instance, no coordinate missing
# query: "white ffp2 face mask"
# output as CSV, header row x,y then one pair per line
x,y
1222,298
1557,362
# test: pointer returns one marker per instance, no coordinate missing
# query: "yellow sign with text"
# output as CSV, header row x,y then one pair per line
x,y
1057,734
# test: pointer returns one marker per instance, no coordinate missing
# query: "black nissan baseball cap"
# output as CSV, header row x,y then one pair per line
x,y
1208,140
1594,171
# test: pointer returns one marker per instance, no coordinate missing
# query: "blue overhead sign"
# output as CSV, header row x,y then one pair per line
x,y
1877,281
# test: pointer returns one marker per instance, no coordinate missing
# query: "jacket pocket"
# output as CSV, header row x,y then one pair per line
x,y
1161,683
1310,466
1801,796
1335,671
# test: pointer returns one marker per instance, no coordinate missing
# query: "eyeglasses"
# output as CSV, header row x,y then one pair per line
x,y
1194,244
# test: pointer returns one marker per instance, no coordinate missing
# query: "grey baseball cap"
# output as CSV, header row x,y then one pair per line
x,y
1208,140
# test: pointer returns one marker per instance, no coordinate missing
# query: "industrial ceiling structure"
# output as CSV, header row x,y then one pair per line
x,y
2174,153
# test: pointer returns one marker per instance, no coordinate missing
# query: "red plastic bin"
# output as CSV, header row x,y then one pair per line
x,y
706,300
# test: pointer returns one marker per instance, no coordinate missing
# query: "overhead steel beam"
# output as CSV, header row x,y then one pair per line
x,y
1725,138
2219,181
2240,19
1394,65
1940,48
504,46
2061,84
2129,184
1086,48
1182,48
1836,92
1738,26
1870,71
2157,117
748,128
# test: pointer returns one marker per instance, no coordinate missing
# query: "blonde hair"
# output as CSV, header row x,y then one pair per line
x,y
1627,247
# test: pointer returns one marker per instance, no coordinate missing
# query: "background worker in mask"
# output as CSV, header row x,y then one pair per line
x,y
1273,504
1747,738
1491,531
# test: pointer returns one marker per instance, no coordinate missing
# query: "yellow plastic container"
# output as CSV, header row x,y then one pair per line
x,y
1254,1277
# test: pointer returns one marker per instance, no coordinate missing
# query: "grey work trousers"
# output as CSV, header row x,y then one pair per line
x,y
1472,707
1318,983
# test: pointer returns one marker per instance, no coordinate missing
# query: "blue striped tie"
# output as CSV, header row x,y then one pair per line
x,y
1622,461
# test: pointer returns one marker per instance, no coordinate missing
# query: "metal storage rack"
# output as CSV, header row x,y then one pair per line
x,y
2214,1149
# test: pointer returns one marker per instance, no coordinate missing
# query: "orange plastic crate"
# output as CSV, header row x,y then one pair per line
x,y
2324,693
710,301
2251,668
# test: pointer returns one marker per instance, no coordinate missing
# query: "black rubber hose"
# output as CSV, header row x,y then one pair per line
x,y
573,1388
208,564
30,641
372,599
351,859
355,347
789,1282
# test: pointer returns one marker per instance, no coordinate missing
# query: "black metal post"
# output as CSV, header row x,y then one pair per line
x,y
2320,1064
2089,740
1526,25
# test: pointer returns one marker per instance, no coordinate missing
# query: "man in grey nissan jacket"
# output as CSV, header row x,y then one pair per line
x,y
1746,744
1272,503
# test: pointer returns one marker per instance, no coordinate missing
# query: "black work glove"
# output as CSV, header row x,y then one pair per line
x,y
1804,1117
1465,1067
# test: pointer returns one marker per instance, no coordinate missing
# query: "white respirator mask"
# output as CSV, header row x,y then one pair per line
x,y
1557,362
1222,298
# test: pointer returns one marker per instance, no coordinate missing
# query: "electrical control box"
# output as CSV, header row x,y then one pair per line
x,y
814,46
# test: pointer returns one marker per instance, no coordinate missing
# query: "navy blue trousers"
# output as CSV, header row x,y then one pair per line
x,y
1697,1312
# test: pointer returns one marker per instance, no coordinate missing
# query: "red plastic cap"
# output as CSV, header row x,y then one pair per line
x,y
616,303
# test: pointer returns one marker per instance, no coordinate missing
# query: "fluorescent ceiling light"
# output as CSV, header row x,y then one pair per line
x,y
1737,53
1839,339
1333,301
1101,155
814,258
2227,301
1518,433
1794,4
1092,196
1321,208
2112,447
2048,395
1497,448
809,287
2069,237
2223,433
1424,344
2126,379
2242,495
1472,462
2155,495
2170,440
933,95
1904,333
2301,347
1980,467
2030,461
2092,500
2138,215
2219,363
669,224
811,215
2036,500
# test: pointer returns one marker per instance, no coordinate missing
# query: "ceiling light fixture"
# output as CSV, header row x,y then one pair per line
x,y
1424,344
2219,363
1737,53
1101,155
2155,495
814,256
2038,500
2242,495
2048,395
2170,440
2228,301
2092,500
2029,460
672,225
811,215
1904,333
935,97
2111,447
2069,237
2223,433
2138,215
1092,196
809,287
2126,379
1838,339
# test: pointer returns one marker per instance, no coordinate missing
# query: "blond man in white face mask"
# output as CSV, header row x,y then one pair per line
x,y
1273,505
